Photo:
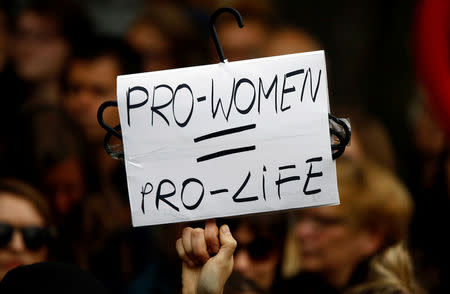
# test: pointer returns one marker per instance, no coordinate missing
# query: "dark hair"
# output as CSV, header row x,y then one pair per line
x,y
25,191
70,18
100,46
269,226
50,277
47,137
104,46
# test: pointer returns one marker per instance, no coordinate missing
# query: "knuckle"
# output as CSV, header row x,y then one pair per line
x,y
197,232
187,231
233,244
209,235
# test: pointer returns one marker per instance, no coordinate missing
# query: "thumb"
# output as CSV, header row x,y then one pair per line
x,y
227,243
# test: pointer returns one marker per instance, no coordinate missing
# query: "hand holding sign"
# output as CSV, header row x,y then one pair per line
x,y
202,273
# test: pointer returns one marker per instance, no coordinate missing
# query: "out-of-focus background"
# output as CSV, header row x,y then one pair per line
x,y
59,61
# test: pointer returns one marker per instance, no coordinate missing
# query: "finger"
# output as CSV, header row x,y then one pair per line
x,y
199,246
227,243
212,236
186,239
182,253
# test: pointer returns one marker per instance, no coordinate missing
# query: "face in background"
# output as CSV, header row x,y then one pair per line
x,y
256,258
154,48
64,183
19,213
329,244
289,41
89,84
241,43
40,50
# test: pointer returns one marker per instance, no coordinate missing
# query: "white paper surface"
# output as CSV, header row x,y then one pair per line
x,y
264,147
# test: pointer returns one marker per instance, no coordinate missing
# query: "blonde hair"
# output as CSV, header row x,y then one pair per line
x,y
375,199
390,272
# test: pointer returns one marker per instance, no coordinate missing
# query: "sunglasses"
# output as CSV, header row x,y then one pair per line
x,y
259,249
34,237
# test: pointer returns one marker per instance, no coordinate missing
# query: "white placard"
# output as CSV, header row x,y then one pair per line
x,y
227,139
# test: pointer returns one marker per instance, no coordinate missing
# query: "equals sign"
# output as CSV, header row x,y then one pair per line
x,y
226,151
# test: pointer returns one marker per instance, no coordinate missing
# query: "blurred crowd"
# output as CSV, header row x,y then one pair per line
x,y
64,199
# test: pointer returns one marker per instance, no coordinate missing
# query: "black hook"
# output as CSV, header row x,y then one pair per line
x,y
110,131
212,27
343,138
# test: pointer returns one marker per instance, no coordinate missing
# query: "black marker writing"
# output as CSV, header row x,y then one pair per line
x,y
145,192
180,87
281,181
266,95
312,175
235,196
219,102
131,106
155,109
224,132
214,192
309,74
250,106
225,153
288,90
163,197
196,204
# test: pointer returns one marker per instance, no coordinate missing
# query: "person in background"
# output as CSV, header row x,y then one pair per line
x,y
246,42
51,154
290,40
260,247
114,253
90,80
257,258
50,278
286,39
341,247
44,35
337,243
429,178
370,140
41,39
163,38
25,226
391,272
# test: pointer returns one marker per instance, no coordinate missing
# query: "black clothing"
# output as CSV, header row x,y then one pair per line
x,y
48,278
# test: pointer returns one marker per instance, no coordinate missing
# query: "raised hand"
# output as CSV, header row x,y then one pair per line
x,y
207,256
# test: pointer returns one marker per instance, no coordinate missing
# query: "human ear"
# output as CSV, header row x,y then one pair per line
x,y
371,241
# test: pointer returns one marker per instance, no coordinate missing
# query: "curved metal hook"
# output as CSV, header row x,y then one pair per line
x,y
102,123
110,131
108,148
344,138
212,27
